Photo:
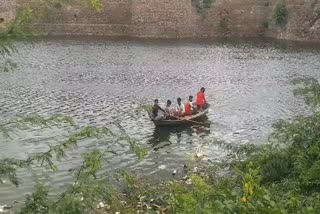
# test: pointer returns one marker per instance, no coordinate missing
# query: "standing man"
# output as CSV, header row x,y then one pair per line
x,y
201,100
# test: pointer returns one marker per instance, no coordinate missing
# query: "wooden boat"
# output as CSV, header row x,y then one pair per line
x,y
184,120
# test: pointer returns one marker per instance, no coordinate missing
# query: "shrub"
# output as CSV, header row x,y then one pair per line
x,y
276,166
37,202
224,27
280,14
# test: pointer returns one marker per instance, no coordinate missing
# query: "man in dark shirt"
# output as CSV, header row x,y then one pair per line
x,y
156,108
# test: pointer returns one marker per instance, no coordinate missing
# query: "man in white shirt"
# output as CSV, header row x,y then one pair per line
x,y
168,109
180,109
167,114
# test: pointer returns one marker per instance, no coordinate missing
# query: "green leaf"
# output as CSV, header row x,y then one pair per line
x,y
96,4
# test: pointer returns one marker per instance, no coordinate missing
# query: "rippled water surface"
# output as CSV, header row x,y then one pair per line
x,y
98,82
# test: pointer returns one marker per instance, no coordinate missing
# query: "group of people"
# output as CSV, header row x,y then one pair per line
x,y
169,112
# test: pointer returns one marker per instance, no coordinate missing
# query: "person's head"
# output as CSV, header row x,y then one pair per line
x,y
156,101
179,100
190,98
168,103
202,89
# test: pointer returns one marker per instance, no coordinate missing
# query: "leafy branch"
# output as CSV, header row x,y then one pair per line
x,y
80,197
8,166
35,120
21,27
141,152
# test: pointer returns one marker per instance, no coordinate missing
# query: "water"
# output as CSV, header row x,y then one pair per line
x,y
98,82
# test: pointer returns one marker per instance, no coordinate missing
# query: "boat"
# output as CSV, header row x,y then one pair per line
x,y
184,120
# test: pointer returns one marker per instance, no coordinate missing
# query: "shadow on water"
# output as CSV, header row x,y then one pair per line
x,y
162,135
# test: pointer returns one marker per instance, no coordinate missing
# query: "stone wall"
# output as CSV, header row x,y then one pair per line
x,y
303,22
161,18
113,20
238,18
186,19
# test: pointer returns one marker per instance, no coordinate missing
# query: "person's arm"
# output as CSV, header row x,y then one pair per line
x,y
171,110
204,98
161,108
183,108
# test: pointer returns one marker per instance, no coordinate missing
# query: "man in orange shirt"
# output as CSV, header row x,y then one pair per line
x,y
201,99
188,109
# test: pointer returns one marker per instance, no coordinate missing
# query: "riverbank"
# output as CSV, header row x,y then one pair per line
x,y
254,41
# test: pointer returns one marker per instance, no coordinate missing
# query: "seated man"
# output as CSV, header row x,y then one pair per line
x,y
158,113
189,107
180,110
169,111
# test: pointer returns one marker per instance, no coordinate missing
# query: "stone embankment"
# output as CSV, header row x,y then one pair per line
x,y
185,19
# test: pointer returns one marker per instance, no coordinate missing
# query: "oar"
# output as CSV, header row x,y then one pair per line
x,y
196,122
192,121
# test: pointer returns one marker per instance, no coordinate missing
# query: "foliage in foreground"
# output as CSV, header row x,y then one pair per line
x,y
89,187
280,177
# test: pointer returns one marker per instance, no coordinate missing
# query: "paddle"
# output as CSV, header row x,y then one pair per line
x,y
192,121
196,122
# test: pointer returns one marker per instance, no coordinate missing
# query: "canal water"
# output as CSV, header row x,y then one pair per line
x,y
101,82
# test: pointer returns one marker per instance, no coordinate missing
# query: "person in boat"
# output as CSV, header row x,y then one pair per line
x,y
169,111
158,113
201,100
189,107
180,109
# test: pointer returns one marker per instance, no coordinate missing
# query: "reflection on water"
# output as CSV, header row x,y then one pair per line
x,y
99,82
163,134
